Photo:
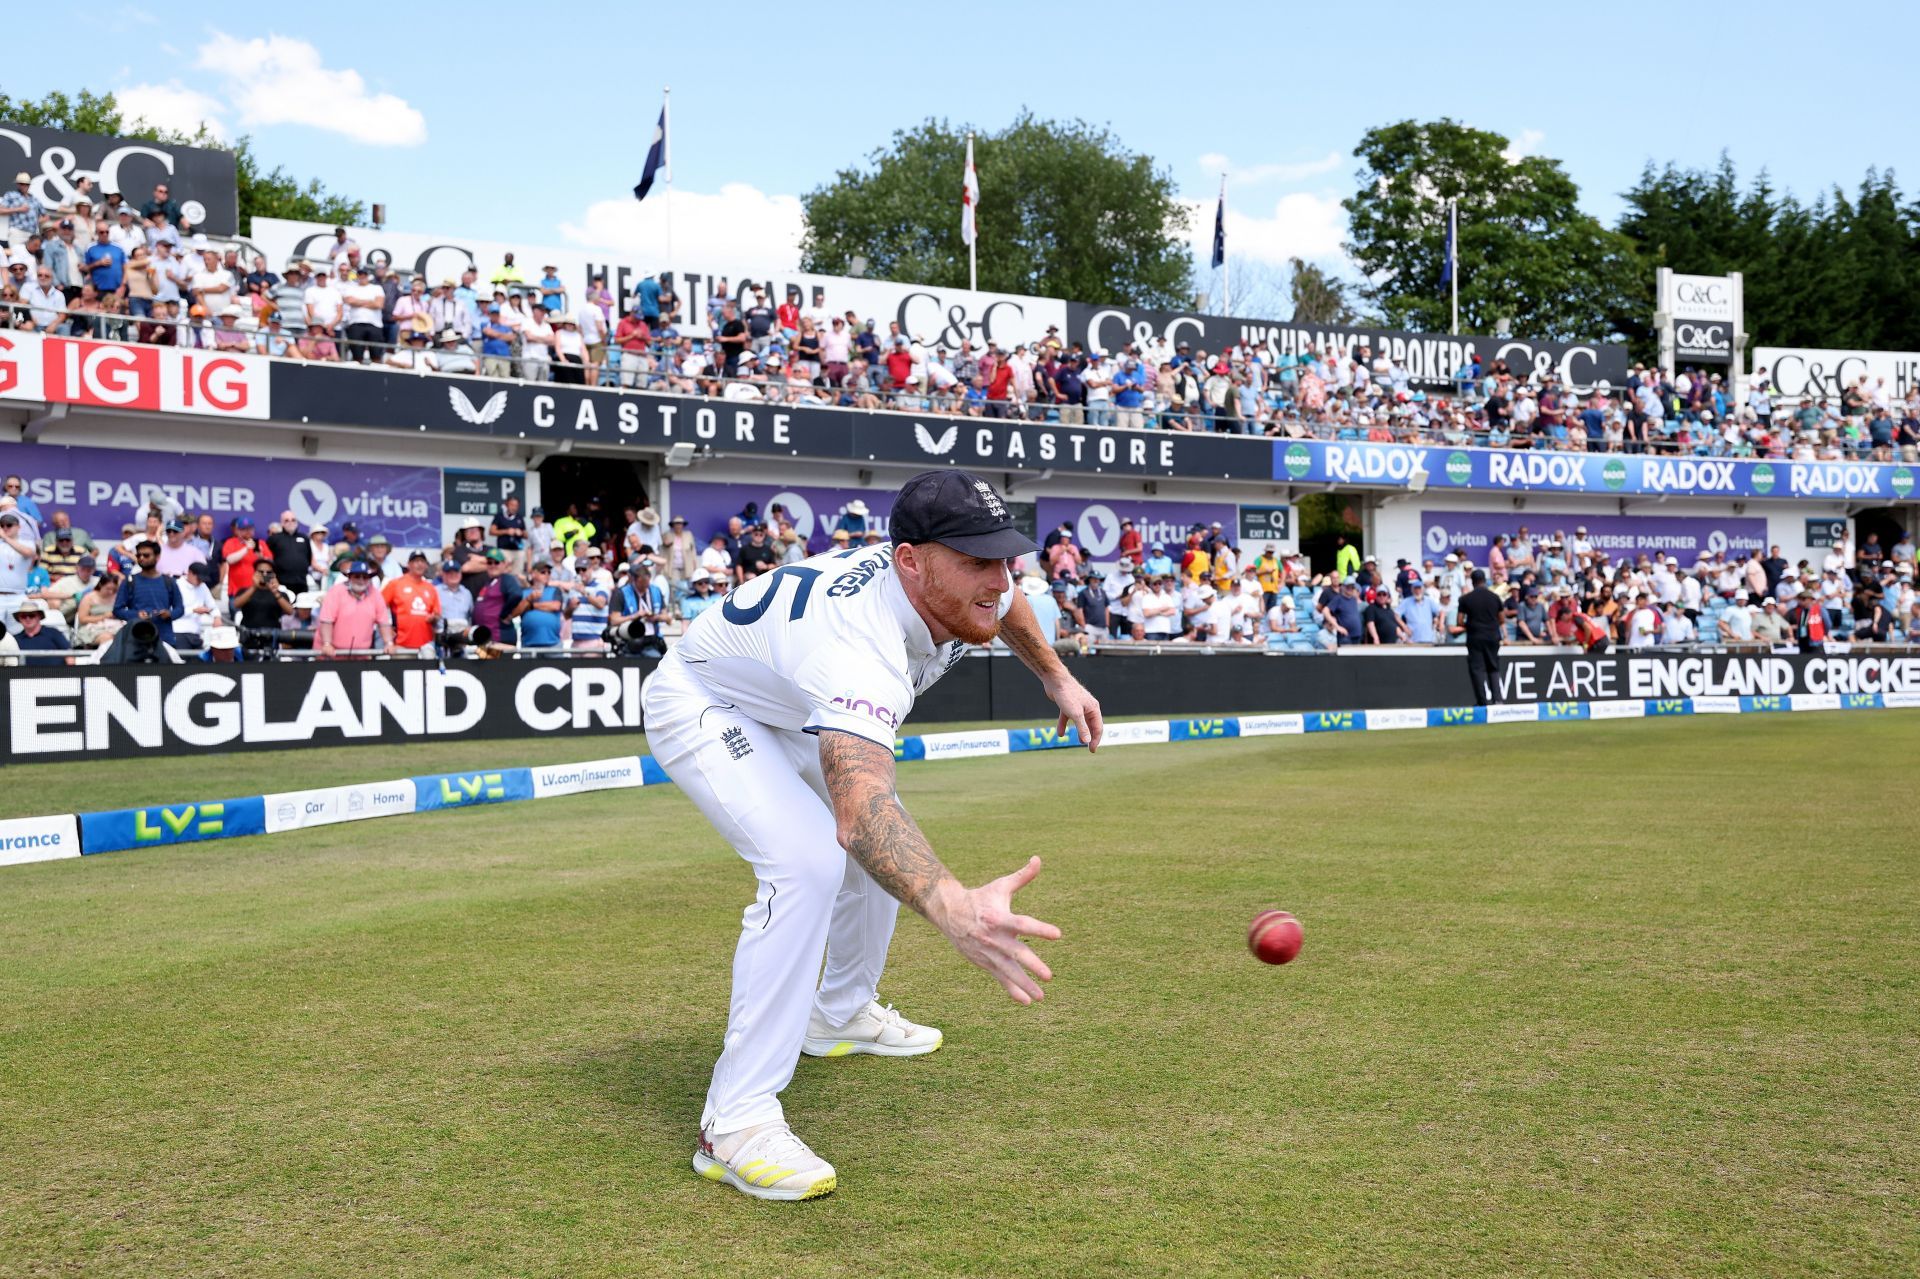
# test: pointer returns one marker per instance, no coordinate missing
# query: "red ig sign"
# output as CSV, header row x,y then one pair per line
x,y
149,379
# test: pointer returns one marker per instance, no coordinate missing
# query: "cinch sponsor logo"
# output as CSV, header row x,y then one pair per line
x,y
1206,728
862,706
152,825
1560,710
462,790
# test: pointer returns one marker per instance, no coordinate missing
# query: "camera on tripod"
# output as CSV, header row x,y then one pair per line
x,y
631,639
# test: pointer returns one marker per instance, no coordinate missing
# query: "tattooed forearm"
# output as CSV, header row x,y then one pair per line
x,y
874,829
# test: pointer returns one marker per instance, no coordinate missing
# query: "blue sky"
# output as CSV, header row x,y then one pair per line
x,y
475,122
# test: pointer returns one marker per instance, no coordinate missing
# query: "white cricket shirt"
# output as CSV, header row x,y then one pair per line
x,y
829,642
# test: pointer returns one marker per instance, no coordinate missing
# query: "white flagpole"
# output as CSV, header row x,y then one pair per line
x,y
973,245
666,158
1226,256
1453,275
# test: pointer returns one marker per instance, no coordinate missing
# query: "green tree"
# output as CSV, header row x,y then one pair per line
x,y
1065,211
1839,272
1318,298
266,193
1526,250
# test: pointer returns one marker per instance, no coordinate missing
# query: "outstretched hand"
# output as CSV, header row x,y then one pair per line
x,y
984,928
1079,708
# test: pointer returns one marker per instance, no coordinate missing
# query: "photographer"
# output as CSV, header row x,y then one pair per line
x,y
148,596
264,602
639,600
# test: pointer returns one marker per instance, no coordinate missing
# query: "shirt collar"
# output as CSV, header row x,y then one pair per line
x,y
913,628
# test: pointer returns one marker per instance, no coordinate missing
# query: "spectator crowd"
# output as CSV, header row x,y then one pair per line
x,y
114,271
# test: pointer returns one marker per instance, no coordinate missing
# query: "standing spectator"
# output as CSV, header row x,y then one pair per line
x,y
509,532
291,552
455,600
591,324
536,345
1419,615
23,211
498,604
264,604
18,553
147,595
364,300
754,556
588,624
414,603
353,613
1382,623
162,205
240,552
104,261
199,611
177,554
540,609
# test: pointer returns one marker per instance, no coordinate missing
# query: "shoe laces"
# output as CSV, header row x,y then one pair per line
x,y
777,1144
885,1015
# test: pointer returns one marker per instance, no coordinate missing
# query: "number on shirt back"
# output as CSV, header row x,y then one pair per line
x,y
752,613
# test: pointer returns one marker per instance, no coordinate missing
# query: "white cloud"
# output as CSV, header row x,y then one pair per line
x,y
281,80
740,228
1301,225
1292,171
1528,143
172,106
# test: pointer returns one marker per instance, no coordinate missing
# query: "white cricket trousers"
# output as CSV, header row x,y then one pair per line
x,y
762,789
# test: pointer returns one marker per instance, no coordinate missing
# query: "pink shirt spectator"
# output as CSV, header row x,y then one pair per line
x,y
356,622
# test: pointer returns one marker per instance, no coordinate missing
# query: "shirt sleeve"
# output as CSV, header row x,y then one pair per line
x,y
859,695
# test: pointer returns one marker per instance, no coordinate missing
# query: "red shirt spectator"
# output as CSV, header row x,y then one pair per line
x,y
899,365
1002,384
1131,543
241,552
787,315
633,333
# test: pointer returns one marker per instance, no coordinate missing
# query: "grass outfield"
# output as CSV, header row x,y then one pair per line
x,y
1625,998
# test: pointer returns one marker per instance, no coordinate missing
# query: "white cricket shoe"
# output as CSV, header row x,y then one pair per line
x,y
874,1029
770,1164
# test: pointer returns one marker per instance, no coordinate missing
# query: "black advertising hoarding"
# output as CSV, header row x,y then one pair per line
x,y
57,160
1703,341
521,412
1430,359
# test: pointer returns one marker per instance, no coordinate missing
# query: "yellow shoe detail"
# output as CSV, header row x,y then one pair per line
x,y
747,1170
767,1176
715,1172
824,1186
840,1049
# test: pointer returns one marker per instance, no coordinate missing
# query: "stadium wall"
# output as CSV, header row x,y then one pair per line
x,y
59,714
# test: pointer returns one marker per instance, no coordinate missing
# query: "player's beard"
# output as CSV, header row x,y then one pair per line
x,y
956,613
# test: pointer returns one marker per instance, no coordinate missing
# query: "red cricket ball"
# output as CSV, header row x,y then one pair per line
x,y
1274,937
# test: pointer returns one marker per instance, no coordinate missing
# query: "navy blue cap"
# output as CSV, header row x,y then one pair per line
x,y
960,511
359,566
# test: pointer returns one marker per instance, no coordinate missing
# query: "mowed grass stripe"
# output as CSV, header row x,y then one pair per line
x,y
1605,998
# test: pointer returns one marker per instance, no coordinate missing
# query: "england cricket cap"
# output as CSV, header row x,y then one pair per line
x,y
959,510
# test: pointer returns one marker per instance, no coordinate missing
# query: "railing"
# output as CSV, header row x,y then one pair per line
x,y
1277,414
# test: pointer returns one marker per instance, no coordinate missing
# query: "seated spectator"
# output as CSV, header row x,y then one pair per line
x,y
48,646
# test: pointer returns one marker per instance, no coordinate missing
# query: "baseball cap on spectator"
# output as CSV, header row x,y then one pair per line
x,y
359,568
173,526
350,527
496,557
87,561
448,566
243,522
417,555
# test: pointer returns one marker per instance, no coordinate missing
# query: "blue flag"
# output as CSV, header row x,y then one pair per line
x,y
656,158
1220,230
1446,269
